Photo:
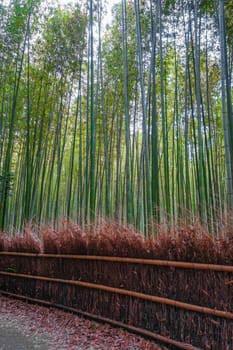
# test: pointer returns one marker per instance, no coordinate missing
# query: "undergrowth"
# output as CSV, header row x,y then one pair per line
x,y
187,243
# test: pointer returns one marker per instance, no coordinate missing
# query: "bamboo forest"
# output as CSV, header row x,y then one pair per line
x,y
116,110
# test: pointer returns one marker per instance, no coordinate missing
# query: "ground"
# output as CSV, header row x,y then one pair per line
x,y
25,326
11,339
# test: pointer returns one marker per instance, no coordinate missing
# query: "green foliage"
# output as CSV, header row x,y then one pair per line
x,y
168,6
129,119
229,21
64,40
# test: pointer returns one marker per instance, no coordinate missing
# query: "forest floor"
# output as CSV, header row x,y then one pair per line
x,y
25,326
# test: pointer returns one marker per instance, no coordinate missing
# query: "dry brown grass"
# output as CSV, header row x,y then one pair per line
x,y
182,243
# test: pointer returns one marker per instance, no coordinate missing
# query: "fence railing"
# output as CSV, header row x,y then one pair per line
x,y
187,305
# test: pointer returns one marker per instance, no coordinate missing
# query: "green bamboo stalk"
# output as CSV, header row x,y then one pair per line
x,y
129,195
92,119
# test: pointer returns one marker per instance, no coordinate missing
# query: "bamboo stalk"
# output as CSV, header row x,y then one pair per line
x,y
166,263
166,301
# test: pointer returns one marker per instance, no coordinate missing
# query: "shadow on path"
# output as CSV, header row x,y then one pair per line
x,y
11,339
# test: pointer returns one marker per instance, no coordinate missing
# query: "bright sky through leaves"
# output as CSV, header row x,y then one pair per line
x,y
109,3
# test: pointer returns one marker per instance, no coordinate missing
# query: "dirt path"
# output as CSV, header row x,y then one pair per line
x,y
25,326
11,339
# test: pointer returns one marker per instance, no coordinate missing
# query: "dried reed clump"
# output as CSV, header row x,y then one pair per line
x,y
226,248
111,239
187,246
2,241
26,243
50,240
187,243
70,239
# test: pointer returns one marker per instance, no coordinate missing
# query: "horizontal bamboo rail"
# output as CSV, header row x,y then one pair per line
x,y
152,298
137,330
165,263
